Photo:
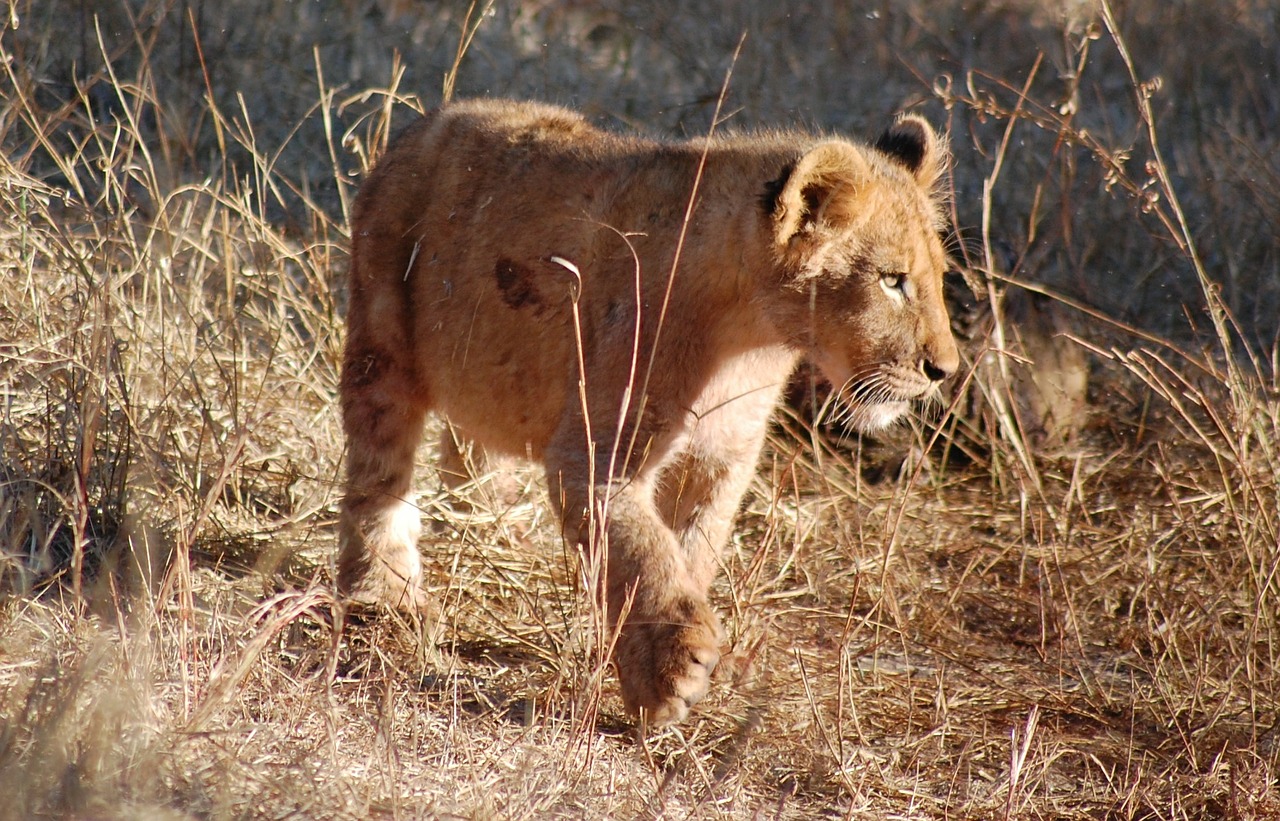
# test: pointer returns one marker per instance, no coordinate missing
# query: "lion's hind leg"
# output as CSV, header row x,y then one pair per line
x,y
378,561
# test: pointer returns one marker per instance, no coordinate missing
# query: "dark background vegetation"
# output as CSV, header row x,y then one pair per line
x,y
839,66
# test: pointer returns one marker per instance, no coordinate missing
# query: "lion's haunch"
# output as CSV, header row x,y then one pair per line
x,y
506,253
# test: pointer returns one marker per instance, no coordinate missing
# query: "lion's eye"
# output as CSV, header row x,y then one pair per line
x,y
895,284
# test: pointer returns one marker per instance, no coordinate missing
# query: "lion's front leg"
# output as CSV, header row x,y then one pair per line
x,y
669,638
698,497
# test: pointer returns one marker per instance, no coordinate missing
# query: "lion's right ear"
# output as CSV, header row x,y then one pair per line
x,y
819,180
912,143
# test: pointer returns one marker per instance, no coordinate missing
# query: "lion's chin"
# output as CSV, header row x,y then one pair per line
x,y
869,417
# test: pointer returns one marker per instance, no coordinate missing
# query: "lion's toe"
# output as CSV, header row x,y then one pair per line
x,y
666,661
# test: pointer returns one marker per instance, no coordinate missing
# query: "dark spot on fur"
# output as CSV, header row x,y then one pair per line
x,y
515,281
773,190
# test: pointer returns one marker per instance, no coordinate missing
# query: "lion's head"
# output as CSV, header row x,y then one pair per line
x,y
857,244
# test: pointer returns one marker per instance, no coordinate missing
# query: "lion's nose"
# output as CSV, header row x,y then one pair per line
x,y
940,369
940,359
932,371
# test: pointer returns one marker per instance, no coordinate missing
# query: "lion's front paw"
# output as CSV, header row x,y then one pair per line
x,y
665,659
378,562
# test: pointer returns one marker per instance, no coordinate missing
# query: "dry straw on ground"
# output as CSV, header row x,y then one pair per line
x,y
1072,621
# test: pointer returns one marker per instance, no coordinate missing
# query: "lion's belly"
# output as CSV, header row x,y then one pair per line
x,y
498,366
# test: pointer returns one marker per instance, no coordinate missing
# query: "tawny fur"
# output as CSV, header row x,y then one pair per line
x,y
515,269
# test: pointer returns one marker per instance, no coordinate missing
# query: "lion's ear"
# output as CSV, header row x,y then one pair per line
x,y
912,143
824,177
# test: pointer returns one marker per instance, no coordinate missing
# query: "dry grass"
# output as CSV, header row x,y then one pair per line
x,y
1086,627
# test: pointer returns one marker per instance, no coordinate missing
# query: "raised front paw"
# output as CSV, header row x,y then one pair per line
x,y
665,658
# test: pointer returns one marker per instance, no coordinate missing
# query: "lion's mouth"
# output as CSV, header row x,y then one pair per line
x,y
869,417
878,401
873,397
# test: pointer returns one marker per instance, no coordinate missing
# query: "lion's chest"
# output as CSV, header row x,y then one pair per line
x,y
734,408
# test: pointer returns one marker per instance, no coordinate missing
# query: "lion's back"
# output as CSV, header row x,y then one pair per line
x,y
457,237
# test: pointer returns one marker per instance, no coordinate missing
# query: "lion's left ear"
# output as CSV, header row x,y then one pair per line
x,y
912,143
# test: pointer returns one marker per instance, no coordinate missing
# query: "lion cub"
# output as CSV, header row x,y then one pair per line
x,y
547,287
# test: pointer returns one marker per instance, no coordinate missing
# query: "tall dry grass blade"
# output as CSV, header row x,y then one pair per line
x,y
1019,748
1181,232
681,238
1000,395
467,34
